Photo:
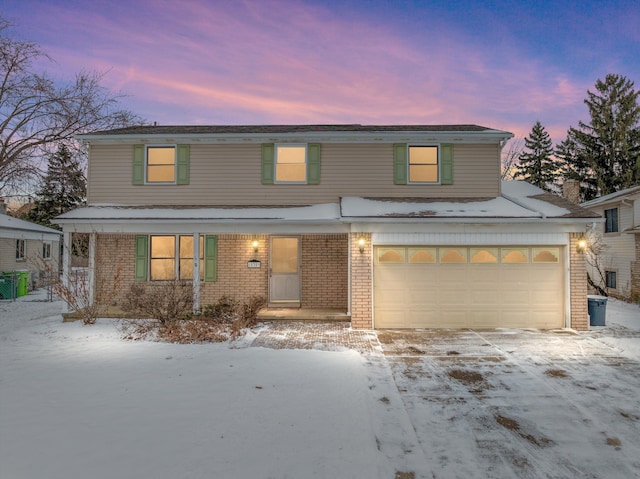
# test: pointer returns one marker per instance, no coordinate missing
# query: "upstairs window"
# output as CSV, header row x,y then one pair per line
x,y
291,164
423,164
611,220
161,164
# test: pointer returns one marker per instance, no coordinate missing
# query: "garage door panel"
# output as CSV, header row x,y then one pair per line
x,y
459,295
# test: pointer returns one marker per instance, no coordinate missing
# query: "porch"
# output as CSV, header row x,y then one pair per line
x,y
303,314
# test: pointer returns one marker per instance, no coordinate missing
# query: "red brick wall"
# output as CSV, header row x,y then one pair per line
x,y
578,285
325,271
361,283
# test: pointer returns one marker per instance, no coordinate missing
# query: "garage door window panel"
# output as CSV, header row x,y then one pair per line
x,y
514,255
422,255
546,255
391,255
453,255
484,255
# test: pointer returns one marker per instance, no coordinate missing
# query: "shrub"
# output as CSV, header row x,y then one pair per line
x,y
164,302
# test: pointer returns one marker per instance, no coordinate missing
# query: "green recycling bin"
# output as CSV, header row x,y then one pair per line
x,y
21,277
8,286
597,306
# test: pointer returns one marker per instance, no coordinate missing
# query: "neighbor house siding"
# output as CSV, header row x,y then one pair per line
x,y
231,175
33,258
635,272
620,251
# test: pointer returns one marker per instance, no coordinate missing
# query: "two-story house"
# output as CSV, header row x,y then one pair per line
x,y
617,268
395,226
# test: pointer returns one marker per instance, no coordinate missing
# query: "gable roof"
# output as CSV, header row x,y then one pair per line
x,y
11,227
617,195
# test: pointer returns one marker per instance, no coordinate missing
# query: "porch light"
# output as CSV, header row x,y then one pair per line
x,y
255,245
361,243
582,245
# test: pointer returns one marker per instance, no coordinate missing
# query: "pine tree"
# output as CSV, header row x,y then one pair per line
x,y
536,165
610,144
64,187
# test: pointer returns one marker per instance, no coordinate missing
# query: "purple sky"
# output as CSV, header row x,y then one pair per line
x,y
499,64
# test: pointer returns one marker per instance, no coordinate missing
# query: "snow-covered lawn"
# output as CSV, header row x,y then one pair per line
x,y
78,402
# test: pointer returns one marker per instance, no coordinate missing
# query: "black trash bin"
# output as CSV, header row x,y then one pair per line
x,y
597,307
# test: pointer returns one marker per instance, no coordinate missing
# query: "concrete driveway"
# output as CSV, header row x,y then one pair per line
x,y
519,403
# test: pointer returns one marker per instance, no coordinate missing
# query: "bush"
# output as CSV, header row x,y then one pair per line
x,y
219,322
164,302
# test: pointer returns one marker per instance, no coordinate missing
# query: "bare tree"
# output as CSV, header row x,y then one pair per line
x,y
37,112
510,154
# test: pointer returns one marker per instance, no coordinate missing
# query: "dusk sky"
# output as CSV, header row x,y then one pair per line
x,y
499,64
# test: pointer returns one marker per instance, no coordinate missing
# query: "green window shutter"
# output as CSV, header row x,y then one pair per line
x,y
313,164
183,165
446,164
138,165
142,242
210,258
268,159
400,164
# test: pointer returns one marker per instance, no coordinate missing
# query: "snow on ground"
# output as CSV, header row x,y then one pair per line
x,y
77,401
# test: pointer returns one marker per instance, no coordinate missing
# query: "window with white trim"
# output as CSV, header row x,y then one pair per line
x,y
611,220
160,164
611,279
423,164
291,163
21,249
171,257
46,250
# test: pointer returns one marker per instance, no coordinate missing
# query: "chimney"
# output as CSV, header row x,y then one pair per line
x,y
571,191
3,207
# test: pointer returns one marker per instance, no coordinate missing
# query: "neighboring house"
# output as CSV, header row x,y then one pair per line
x,y
618,269
396,226
28,246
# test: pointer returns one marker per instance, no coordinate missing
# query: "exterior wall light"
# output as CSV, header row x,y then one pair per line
x,y
361,243
582,245
255,245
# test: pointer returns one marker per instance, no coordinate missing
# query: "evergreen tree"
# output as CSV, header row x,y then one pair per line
x,y
610,144
536,165
64,187
574,166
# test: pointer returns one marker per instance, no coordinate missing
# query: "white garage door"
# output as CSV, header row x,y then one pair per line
x,y
468,287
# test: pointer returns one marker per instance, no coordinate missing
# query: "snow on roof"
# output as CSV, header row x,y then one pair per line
x,y
9,223
519,200
322,212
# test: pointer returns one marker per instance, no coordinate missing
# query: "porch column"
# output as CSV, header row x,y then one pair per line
x,y
578,281
66,265
92,268
196,273
361,282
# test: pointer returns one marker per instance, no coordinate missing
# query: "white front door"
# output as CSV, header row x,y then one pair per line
x,y
284,272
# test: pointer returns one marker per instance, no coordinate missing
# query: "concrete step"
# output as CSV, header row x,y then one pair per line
x,y
303,314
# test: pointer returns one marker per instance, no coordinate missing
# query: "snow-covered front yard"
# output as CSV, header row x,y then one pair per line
x,y
79,402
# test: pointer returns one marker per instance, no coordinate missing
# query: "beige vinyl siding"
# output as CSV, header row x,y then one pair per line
x,y
231,175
